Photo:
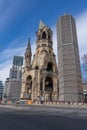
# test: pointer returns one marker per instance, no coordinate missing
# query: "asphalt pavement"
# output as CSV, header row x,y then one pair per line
x,y
42,118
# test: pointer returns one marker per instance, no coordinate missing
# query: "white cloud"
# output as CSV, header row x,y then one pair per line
x,y
7,15
7,55
4,70
33,48
81,22
10,10
81,25
55,42
6,59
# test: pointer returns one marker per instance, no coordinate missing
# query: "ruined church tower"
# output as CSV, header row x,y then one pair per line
x,y
40,76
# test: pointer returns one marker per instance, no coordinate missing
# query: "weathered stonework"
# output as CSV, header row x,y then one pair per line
x,y
40,77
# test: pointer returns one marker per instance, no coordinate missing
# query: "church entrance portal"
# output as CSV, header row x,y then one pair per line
x,y
28,87
48,88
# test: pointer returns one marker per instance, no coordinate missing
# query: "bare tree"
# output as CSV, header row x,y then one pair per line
x,y
84,67
84,58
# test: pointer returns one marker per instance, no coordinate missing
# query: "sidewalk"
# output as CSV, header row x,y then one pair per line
x,y
23,106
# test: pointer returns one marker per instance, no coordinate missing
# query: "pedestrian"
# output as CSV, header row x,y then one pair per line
x,y
42,99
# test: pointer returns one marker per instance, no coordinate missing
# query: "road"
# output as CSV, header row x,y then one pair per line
x,y
43,118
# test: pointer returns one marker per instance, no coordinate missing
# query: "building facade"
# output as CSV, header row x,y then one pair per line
x,y
6,89
70,82
84,89
40,75
12,89
1,90
15,83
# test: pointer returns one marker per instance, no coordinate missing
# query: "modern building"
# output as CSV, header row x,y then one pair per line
x,y
6,88
1,90
70,81
85,89
40,75
13,84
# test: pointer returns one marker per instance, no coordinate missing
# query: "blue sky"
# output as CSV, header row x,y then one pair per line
x,y
19,20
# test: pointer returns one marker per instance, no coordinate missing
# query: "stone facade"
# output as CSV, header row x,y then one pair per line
x,y
40,76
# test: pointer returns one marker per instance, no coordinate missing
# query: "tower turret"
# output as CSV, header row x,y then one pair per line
x,y
28,54
44,36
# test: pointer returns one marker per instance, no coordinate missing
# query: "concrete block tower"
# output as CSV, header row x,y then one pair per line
x,y
70,82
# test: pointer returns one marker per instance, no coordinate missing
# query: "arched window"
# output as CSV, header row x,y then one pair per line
x,y
28,84
27,56
44,35
50,67
29,78
49,51
36,67
48,84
